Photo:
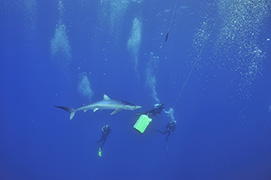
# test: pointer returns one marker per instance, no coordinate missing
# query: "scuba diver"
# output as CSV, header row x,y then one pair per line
x,y
156,110
169,128
106,130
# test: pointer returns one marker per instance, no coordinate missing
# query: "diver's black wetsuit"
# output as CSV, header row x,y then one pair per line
x,y
169,128
156,110
106,130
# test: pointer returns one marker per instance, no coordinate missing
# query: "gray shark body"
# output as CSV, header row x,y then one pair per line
x,y
106,103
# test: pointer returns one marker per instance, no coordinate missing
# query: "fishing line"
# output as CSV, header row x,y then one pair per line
x,y
166,165
184,84
171,19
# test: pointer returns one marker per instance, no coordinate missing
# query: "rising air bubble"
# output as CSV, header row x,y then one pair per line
x,y
134,41
84,87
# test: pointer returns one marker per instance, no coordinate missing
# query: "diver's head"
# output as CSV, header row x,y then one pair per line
x,y
158,105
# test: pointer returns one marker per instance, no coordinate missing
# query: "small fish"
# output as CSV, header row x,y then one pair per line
x,y
166,37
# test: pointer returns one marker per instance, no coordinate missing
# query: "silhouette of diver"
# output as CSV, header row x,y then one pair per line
x,y
106,130
169,128
156,110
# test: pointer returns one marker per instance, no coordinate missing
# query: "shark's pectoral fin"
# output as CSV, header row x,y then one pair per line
x,y
85,110
116,111
95,109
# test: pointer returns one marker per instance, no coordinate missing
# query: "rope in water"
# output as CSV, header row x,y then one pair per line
x,y
185,82
171,19
166,161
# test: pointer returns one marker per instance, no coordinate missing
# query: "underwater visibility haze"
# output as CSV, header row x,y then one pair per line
x,y
196,74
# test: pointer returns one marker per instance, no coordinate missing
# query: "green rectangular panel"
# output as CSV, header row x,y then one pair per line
x,y
142,123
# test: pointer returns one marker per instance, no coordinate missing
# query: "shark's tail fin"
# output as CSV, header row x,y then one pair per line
x,y
70,110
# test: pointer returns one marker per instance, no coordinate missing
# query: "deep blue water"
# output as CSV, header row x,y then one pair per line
x,y
49,49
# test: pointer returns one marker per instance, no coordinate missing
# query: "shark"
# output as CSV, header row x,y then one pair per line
x,y
106,103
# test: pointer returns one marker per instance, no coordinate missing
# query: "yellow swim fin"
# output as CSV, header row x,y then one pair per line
x,y
100,152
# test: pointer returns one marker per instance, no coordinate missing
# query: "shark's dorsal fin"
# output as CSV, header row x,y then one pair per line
x,y
106,97
116,111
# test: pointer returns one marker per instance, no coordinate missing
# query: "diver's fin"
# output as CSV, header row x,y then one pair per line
x,y
116,111
100,152
70,110
95,109
106,97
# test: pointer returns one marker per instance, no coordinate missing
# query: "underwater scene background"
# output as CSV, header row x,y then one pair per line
x,y
209,62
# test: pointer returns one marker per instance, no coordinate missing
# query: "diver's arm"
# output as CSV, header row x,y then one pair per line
x,y
103,130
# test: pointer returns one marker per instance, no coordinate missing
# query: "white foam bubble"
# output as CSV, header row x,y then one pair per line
x,y
242,21
117,11
134,41
30,10
170,113
138,1
111,16
84,87
236,47
60,45
152,67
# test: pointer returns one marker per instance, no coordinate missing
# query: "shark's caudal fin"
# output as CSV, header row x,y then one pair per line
x,y
70,110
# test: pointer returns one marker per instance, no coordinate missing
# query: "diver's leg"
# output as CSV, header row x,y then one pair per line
x,y
104,140
101,139
161,131
168,134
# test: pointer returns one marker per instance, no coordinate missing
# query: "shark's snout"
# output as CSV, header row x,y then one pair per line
x,y
137,107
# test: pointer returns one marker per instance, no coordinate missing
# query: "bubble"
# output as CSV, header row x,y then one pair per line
x,y
134,41
151,70
84,87
60,45
201,37
30,11
117,11
111,16
241,24
137,1
170,113
232,41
